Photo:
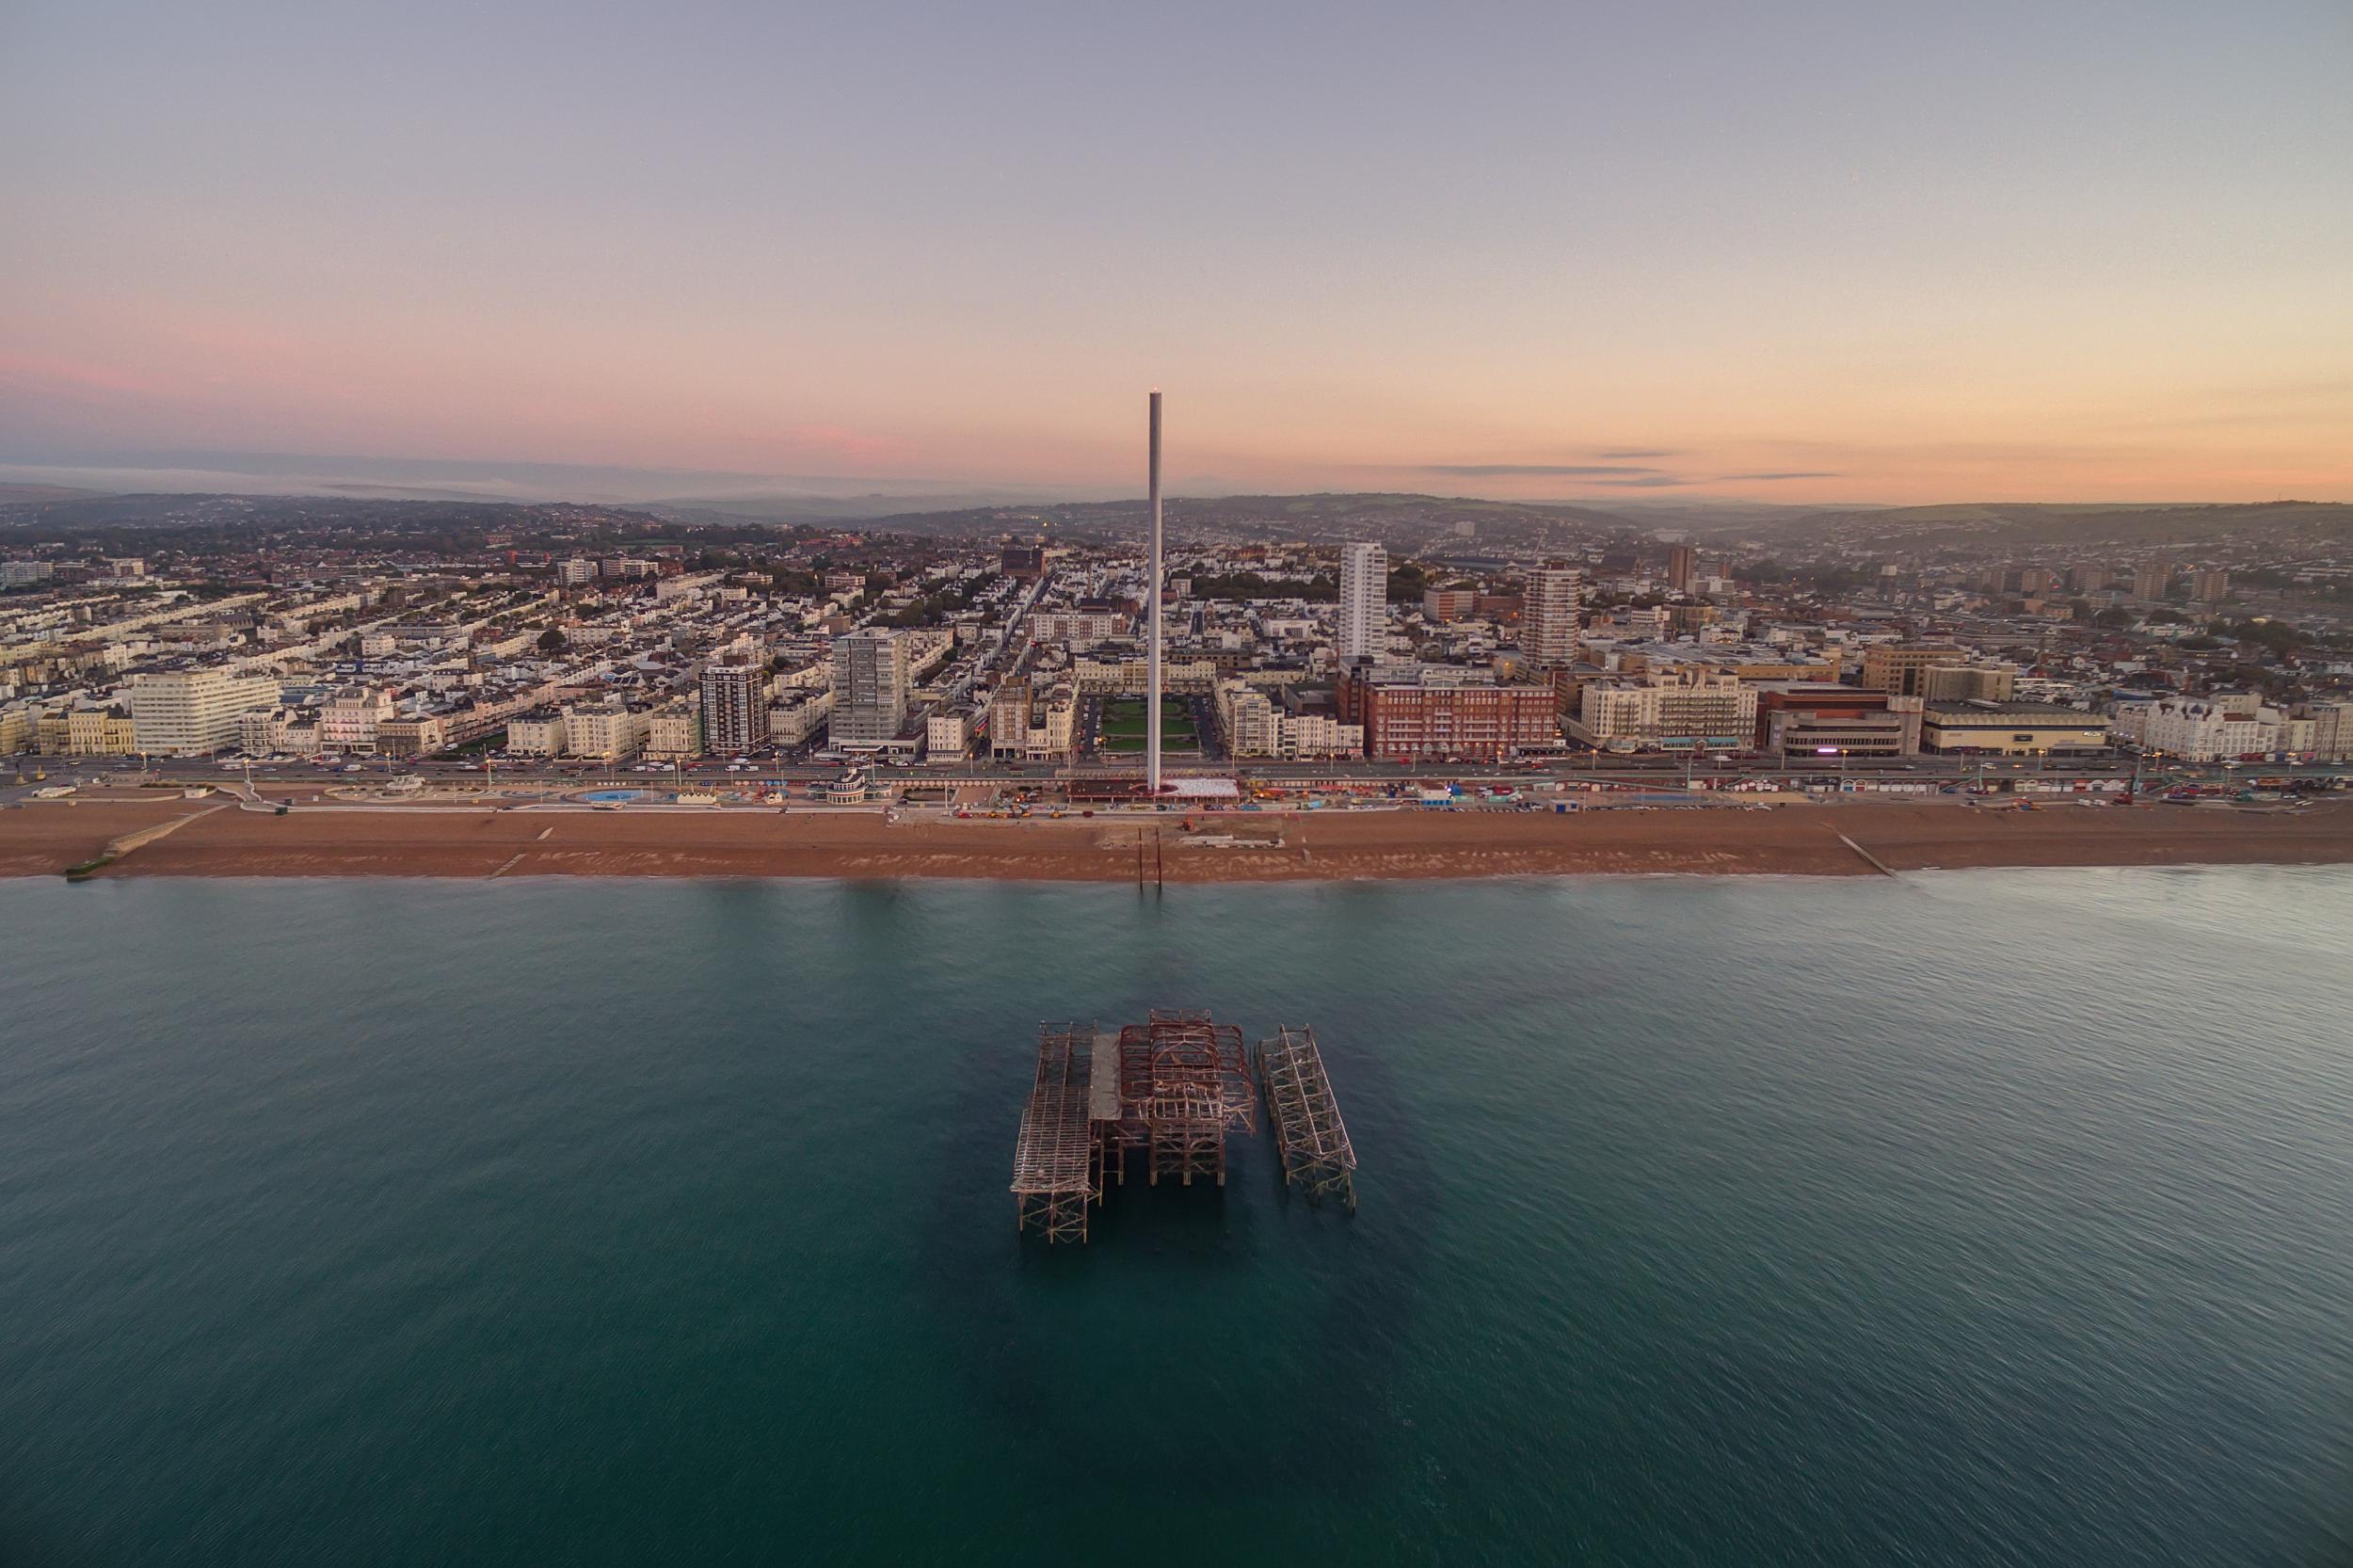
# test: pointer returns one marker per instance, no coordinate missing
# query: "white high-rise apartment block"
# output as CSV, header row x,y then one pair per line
x,y
735,706
1555,593
869,688
189,713
1364,615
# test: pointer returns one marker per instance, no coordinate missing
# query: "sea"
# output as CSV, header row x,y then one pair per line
x,y
1963,1218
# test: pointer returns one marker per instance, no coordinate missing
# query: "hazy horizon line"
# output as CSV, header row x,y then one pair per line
x,y
342,476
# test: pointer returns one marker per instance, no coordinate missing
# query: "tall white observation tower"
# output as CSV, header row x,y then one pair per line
x,y
1152,601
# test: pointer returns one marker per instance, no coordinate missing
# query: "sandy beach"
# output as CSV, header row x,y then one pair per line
x,y
46,837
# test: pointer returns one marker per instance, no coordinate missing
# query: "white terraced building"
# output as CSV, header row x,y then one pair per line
x,y
1257,725
1689,706
2204,729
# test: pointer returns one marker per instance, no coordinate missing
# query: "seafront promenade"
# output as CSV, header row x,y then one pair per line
x,y
1840,837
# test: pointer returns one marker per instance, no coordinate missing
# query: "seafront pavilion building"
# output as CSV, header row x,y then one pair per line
x,y
2010,729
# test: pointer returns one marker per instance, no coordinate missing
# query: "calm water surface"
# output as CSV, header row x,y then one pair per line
x,y
1974,1217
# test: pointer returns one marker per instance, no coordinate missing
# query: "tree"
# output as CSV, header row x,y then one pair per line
x,y
1249,585
552,640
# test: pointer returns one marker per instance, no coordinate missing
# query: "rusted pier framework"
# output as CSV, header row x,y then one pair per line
x,y
1184,1082
1172,1087
1057,1162
1317,1154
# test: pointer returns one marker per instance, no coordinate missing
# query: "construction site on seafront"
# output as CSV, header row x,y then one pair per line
x,y
1168,1090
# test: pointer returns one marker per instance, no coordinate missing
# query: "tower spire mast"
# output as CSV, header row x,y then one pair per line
x,y
1152,678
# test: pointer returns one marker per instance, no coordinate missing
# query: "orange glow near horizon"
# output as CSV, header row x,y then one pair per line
x,y
1845,253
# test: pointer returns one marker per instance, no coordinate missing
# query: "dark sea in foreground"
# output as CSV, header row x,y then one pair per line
x,y
1972,1217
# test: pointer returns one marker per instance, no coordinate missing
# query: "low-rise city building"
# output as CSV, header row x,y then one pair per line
x,y
604,731
2222,728
1678,708
2010,729
538,734
674,732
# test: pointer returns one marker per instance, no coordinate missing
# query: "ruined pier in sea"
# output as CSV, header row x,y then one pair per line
x,y
1164,1095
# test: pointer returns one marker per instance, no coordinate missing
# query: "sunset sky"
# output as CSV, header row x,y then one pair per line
x,y
1858,251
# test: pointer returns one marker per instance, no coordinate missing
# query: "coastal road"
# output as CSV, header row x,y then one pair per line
x,y
18,780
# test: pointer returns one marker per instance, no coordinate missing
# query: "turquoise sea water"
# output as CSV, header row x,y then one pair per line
x,y
1972,1217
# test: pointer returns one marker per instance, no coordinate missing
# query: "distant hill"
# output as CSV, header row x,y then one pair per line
x,y
1427,526
1407,524
11,494
790,506
1902,528
130,522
